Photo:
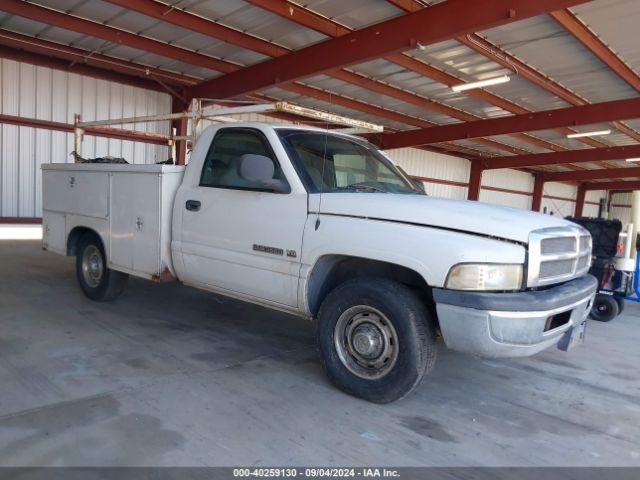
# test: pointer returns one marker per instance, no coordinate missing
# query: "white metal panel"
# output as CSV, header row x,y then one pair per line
x,y
442,169
510,180
54,232
135,221
43,93
591,201
514,200
546,46
621,207
422,163
555,202
82,193
616,23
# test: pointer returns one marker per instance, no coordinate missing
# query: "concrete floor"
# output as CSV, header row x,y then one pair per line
x,y
169,375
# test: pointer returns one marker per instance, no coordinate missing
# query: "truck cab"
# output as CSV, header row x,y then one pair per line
x,y
323,225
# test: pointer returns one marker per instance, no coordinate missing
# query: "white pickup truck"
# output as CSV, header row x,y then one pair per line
x,y
325,226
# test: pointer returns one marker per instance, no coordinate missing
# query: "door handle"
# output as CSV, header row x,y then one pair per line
x,y
193,205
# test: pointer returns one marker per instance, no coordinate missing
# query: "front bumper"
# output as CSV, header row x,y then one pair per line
x,y
513,324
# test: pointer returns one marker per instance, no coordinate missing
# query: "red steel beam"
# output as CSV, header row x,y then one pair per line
x,y
538,186
21,220
115,35
549,119
330,97
590,40
505,59
117,133
501,57
212,29
595,45
559,158
629,172
314,21
80,69
439,23
624,186
580,197
80,58
475,181
496,54
412,98
89,28
176,16
302,16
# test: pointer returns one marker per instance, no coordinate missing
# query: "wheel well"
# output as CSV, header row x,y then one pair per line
x,y
333,270
74,239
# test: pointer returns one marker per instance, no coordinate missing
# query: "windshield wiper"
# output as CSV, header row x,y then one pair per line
x,y
364,186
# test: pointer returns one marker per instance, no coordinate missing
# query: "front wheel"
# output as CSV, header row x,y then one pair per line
x,y
96,281
605,308
376,339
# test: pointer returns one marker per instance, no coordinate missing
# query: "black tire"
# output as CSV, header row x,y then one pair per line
x,y
620,301
97,282
605,308
382,310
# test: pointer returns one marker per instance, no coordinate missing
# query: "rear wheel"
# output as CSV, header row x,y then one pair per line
x,y
376,339
605,308
96,281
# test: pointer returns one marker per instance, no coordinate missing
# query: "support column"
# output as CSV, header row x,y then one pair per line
x,y
635,219
475,181
580,200
538,187
180,127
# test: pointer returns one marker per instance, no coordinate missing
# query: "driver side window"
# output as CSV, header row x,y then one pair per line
x,y
222,164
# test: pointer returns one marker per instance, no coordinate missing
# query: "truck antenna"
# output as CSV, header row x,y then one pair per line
x,y
324,162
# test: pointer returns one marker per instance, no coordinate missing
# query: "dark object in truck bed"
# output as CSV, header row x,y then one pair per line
x,y
106,159
604,233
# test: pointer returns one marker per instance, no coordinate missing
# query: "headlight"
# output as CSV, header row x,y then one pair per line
x,y
484,276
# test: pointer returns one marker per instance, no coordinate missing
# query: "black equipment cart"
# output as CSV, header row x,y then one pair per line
x,y
613,285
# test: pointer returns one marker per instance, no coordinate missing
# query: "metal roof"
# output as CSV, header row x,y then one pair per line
x,y
540,42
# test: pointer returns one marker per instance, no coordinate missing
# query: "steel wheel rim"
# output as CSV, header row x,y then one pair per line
x,y
92,266
366,342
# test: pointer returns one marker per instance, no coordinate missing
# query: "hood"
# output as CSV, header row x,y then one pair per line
x,y
473,217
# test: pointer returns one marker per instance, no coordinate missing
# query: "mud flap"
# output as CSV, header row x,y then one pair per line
x,y
573,337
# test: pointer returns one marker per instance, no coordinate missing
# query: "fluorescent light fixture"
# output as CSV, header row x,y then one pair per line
x,y
597,133
482,83
633,159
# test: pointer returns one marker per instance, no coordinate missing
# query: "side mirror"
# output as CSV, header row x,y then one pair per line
x,y
637,242
259,170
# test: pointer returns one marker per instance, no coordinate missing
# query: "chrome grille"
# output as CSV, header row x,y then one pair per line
x,y
557,255
557,245
583,262
555,268
585,242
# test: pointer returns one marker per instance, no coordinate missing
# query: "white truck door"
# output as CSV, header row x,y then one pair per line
x,y
238,236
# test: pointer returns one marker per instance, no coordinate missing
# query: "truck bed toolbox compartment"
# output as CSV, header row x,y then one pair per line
x,y
129,206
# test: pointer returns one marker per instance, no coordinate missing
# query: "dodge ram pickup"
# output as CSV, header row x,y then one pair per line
x,y
324,225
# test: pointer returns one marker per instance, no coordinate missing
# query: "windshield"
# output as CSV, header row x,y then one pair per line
x,y
332,163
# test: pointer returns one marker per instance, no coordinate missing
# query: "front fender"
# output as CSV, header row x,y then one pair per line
x,y
428,251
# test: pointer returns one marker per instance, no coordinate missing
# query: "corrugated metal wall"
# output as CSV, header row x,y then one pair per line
x,y
558,198
511,180
431,165
46,94
592,199
37,92
621,207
